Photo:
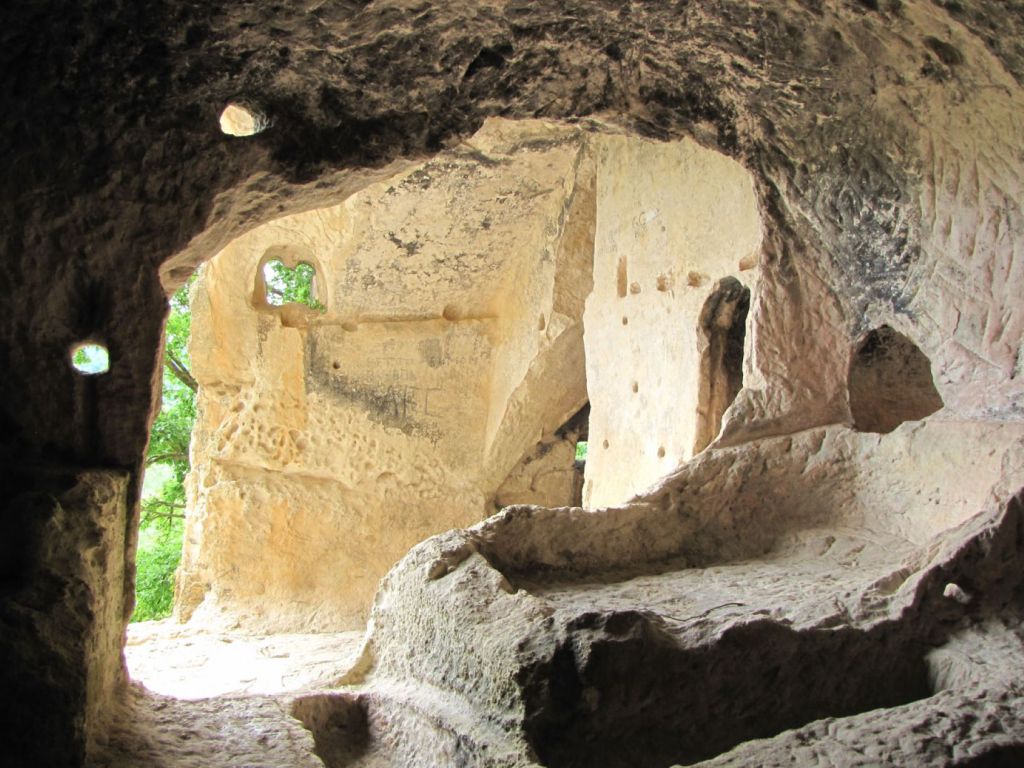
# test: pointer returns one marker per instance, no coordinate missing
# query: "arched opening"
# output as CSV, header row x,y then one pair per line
x,y
720,337
551,473
890,382
286,285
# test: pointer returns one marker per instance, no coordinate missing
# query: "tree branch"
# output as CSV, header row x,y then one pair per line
x,y
180,371
159,458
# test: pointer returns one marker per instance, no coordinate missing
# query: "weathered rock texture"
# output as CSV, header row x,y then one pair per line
x,y
882,141
328,443
754,592
661,250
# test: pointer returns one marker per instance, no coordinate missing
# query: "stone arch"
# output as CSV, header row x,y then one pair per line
x,y
890,381
720,337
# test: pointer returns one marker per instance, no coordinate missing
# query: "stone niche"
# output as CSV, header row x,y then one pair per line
x,y
438,380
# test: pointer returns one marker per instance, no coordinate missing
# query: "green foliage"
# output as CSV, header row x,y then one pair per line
x,y
581,450
163,502
91,358
158,556
286,286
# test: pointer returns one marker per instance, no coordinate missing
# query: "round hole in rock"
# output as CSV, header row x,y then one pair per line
x,y
90,358
239,120
890,382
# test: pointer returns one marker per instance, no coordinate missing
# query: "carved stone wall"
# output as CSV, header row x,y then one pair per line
x,y
882,140
329,443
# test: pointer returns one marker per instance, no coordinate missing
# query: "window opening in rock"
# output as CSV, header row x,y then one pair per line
x,y
238,120
721,336
90,358
291,286
890,382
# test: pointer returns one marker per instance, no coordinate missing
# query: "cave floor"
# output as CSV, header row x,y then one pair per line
x,y
185,662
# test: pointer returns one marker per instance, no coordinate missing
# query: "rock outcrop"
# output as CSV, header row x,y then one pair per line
x,y
880,140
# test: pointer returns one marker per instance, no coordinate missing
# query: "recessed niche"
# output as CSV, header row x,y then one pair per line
x,y
239,120
890,382
90,358
721,334
636,387
625,321
622,277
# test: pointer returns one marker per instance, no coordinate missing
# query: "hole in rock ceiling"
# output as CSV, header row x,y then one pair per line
x,y
90,358
890,382
238,120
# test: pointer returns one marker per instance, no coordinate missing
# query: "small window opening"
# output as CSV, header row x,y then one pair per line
x,y
291,286
890,382
90,358
237,120
722,332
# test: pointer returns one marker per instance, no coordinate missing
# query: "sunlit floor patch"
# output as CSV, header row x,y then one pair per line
x,y
176,660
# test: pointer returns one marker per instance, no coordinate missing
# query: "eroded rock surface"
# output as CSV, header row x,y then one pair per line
x,y
882,144
818,589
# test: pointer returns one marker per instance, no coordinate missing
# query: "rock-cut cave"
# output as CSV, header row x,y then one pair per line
x,y
763,260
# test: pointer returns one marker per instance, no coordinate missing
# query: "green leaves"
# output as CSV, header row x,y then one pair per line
x,y
581,450
287,286
158,556
167,461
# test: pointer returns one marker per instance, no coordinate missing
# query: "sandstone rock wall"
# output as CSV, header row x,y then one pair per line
x,y
330,442
673,220
63,610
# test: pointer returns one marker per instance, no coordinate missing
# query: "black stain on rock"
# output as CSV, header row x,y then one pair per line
x,y
390,404
947,53
432,352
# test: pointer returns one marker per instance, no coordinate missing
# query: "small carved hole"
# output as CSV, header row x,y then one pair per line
x,y
90,358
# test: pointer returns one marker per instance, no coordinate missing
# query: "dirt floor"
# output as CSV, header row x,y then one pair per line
x,y
185,663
